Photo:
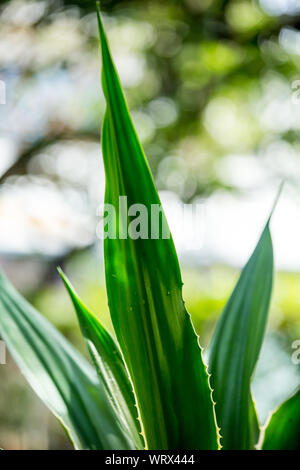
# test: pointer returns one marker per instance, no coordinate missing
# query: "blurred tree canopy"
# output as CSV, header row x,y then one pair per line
x,y
210,84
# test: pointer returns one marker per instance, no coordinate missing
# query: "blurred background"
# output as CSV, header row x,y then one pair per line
x,y
214,90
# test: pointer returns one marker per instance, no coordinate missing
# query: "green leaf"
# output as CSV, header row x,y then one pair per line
x,y
144,289
236,345
109,364
283,429
58,374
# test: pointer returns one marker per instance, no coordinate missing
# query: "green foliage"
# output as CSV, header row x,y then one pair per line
x,y
144,288
109,365
151,387
283,430
58,374
236,345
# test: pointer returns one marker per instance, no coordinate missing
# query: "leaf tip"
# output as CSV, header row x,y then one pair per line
x,y
60,271
65,281
100,24
98,6
276,200
62,274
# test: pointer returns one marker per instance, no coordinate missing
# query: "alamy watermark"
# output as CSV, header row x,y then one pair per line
x,y
296,353
2,353
296,93
2,92
138,221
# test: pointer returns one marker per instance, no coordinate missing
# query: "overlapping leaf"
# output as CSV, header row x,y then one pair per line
x,y
283,429
109,364
62,379
236,345
144,289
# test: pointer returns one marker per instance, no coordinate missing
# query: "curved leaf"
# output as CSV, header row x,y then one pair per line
x,y
236,345
109,364
59,375
283,429
144,289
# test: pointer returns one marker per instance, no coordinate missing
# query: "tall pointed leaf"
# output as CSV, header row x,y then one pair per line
x,y
236,346
144,289
283,429
59,375
109,364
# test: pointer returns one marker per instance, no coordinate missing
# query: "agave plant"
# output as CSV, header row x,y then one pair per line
x,y
149,388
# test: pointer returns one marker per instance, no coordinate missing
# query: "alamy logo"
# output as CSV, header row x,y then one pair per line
x,y
2,92
296,353
2,353
123,221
